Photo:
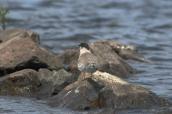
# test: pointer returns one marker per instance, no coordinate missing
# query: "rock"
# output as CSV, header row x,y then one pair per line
x,y
113,63
41,84
80,95
108,58
103,90
21,83
70,59
21,53
8,34
120,94
126,51
52,82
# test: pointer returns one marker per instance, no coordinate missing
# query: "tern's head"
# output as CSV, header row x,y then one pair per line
x,y
84,45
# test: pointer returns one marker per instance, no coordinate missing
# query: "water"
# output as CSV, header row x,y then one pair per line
x,y
64,23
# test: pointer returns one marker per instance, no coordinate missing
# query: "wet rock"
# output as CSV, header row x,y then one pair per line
x,y
21,83
80,95
41,84
126,51
8,34
52,82
103,90
120,94
107,55
21,53
70,59
111,61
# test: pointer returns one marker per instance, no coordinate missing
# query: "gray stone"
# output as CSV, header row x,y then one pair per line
x,y
103,90
52,82
21,53
8,34
120,94
80,95
21,83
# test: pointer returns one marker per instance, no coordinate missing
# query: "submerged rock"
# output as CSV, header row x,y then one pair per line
x,y
21,53
103,90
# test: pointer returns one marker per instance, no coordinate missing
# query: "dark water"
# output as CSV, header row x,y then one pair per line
x,y
64,23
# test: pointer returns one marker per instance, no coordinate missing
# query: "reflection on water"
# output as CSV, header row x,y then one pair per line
x,y
65,23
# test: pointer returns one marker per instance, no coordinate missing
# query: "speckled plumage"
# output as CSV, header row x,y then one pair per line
x,y
87,62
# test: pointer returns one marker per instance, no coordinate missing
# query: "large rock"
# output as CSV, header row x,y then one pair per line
x,y
81,95
8,34
19,53
103,90
52,82
112,62
110,57
120,94
41,84
70,59
21,83
125,51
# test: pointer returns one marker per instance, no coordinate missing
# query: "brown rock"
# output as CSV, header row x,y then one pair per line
x,y
80,95
70,59
103,90
108,58
120,94
8,34
113,63
28,82
20,53
52,82
21,83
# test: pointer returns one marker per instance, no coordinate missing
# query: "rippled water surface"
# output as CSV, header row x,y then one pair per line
x,y
64,23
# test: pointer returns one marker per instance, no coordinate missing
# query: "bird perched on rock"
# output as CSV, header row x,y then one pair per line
x,y
87,61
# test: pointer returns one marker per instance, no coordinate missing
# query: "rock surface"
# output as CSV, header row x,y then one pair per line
x,y
21,53
8,34
103,90
21,83
112,62
80,95
41,84
108,58
52,82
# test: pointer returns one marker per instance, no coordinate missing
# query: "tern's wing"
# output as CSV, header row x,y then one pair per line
x,y
87,59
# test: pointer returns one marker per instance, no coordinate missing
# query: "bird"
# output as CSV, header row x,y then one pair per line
x,y
87,61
